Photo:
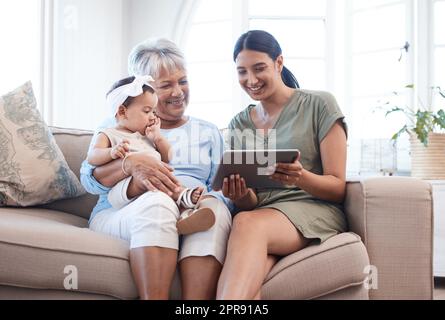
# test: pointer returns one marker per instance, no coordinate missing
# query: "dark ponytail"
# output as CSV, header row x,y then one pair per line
x,y
289,78
262,41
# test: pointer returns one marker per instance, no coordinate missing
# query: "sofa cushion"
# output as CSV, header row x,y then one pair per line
x,y
33,170
74,145
36,245
319,270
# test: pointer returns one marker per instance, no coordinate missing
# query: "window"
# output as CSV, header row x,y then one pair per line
x,y
380,56
300,28
360,50
74,50
70,50
215,27
438,48
210,68
20,34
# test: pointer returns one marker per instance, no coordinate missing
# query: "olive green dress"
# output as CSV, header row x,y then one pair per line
x,y
303,124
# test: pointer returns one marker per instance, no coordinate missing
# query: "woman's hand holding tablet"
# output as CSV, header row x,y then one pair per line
x,y
235,188
288,174
256,169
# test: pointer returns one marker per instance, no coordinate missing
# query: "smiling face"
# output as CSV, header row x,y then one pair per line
x,y
172,89
140,113
258,74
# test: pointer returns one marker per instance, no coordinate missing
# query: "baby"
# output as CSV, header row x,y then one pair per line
x,y
133,102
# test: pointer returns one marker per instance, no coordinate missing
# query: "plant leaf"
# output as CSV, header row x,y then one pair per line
x,y
396,109
439,119
424,125
399,133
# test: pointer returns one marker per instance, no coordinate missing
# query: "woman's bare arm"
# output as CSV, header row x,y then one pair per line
x,y
331,186
147,171
109,174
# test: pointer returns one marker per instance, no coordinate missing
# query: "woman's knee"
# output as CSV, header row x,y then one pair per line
x,y
152,222
154,211
247,221
212,242
158,201
158,196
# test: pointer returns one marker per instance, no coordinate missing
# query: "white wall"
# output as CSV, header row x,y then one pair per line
x,y
150,18
92,40
87,59
20,44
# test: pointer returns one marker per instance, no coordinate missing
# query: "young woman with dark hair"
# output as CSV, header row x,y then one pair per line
x,y
308,208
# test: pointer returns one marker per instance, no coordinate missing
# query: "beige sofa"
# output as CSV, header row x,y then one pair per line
x,y
391,228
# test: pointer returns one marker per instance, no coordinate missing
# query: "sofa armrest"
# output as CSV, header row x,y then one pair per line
x,y
394,217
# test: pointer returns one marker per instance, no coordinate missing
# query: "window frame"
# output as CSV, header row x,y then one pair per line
x,y
46,100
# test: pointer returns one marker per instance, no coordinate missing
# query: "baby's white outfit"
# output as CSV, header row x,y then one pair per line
x,y
138,142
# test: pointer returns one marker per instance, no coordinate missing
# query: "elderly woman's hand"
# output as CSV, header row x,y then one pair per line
x,y
151,173
289,174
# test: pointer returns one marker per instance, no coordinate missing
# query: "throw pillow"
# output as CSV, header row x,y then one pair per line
x,y
32,168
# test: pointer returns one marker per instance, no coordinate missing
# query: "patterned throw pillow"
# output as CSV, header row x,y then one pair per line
x,y
32,168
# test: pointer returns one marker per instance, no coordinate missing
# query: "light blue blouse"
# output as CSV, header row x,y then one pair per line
x,y
197,150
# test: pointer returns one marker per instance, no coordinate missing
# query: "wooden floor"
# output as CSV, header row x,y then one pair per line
x,y
439,289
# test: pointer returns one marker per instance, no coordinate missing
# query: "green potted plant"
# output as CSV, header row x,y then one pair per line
x,y
426,129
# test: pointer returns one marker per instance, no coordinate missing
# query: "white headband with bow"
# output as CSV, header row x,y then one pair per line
x,y
118,96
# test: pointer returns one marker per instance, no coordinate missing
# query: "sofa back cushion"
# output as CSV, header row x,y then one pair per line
x,y
33,170
74,144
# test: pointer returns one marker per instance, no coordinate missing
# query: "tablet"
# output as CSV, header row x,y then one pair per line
x,y
255,166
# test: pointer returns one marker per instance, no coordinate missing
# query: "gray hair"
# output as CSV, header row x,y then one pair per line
x,y
152,56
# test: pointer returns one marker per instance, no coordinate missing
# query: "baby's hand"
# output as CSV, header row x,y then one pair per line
x,y
120,150
153,131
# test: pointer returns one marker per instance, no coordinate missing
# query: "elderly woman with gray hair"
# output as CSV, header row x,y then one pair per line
x,y
147,220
